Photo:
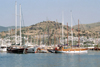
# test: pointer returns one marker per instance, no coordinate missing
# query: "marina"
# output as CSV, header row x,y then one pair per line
x,y
49,33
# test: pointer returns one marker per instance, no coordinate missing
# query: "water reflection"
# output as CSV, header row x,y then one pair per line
x,y
91,59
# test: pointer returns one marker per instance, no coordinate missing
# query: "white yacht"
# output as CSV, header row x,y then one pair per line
x,y
3,48
30,48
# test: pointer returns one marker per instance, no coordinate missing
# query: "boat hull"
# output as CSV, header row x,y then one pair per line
x,y
96,49
85,51
44,51
30,50
17,50
3,49
51,51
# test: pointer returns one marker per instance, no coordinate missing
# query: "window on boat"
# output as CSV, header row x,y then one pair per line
x,y
3,47
66,47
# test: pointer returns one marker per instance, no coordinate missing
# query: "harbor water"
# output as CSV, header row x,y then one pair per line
x,y
90,59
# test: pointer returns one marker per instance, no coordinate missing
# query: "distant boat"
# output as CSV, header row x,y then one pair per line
x,y
41,49
3,48
30,48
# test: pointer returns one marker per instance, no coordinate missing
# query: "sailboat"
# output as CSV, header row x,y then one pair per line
x,y
51,48
71,49
42,47
18,49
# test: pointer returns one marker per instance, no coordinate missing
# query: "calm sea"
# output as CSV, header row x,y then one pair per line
x,y
90,59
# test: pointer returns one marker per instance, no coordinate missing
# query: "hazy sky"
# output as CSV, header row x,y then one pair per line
x,y
35,11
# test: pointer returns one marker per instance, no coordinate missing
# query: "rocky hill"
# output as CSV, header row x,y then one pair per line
x,y
53,28
89,27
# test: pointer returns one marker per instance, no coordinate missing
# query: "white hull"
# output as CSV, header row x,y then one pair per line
x,y
3,49
85,51
30,50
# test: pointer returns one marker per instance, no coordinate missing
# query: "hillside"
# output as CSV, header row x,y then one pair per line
x,y
89,27
52,28
48,27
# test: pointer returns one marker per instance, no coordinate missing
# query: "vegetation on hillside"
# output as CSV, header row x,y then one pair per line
x,y
52,30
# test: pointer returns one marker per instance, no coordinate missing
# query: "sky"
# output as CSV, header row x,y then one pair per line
x,y
35,11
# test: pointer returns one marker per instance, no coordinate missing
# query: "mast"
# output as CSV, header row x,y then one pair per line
x,y
20,26
43,38
71,29
40,38
48,33
45,33
54,34
78,34
39,35
9,34
37,40
59,34
15,22
54,37
67,33
62,25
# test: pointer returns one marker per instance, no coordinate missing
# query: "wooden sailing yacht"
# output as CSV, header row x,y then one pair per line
x,y
71,49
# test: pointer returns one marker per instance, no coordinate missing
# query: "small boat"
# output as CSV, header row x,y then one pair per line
x,y
42,50
3,48
30,48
